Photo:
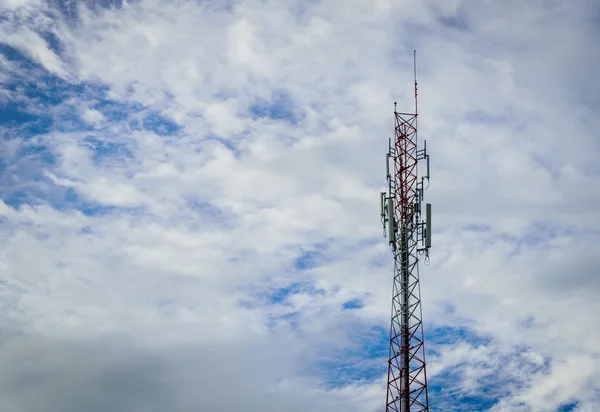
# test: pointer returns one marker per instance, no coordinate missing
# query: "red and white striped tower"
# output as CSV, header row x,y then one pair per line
x,y
409,237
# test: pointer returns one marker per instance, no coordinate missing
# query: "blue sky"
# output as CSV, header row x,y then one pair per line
x,y
189,203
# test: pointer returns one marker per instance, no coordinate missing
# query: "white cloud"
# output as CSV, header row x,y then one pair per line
x,y
223,118
16,4
218,223
93,117
34,46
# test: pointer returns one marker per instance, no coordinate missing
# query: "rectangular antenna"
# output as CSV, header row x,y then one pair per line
x,y
381,202
387,164
391,222
428,175
428,225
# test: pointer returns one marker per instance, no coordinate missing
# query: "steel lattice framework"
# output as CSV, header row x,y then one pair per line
x,y
407,377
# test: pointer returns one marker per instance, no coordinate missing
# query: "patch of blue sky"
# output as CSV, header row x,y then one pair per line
x,y
291,319
279,107
34,82
33,90
337,373
40,153
50,90
105,149
446,389
444,400
307,260
39,126
14,55
447,335
108,4
23,180
353,304
68,121
230,145
312,257
160,124
542,368
444,385
26,111
29,194
365,359
13,113
16,122
62,199
151,120
70,10
53,42
279,296
96,210
568,407
135,124
75,201
16,198
116,111
374,343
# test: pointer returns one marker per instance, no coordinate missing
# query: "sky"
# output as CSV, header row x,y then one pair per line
x,y
189,215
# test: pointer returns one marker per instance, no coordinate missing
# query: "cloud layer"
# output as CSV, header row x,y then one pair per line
x,y
189,203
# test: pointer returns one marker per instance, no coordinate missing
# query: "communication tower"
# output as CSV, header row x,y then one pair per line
x,y
409,237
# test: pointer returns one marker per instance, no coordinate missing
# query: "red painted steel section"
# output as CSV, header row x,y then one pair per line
x,y
407,382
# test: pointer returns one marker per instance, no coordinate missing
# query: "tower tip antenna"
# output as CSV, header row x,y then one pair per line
x,y
415,74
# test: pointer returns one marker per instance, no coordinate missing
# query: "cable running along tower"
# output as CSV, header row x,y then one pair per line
x,y
409,235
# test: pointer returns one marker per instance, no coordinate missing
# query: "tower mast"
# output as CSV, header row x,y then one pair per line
x,y
409,237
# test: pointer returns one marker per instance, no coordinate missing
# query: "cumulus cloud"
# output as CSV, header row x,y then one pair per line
x,y
189,203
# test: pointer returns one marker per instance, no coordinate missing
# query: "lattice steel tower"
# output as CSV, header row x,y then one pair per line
x,y
409,237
